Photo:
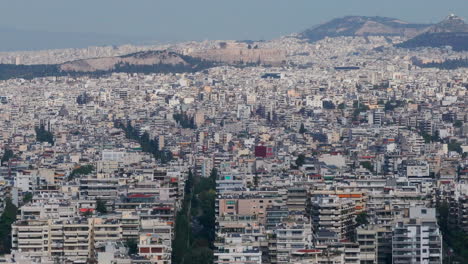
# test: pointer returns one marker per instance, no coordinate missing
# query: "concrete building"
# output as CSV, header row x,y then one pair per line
x,y
74,240
417,238
366,237
334,214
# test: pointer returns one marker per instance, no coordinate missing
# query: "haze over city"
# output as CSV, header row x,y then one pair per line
x,y
29,24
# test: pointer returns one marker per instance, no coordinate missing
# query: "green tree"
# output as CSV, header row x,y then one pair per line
x,y
455,146
101,206
42,135
454,237
27,197
181,243
256,179
436,137
300,160
182,229
189,183
132,246
203,207
302,129
458,123
7,155
201,255
391,105
196,246
367,165
358,109
189,245
147,145
82,170
6,220
184,120
361,218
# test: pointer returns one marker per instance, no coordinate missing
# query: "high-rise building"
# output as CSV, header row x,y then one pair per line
x,y
334,214
366,237
417,238
74,239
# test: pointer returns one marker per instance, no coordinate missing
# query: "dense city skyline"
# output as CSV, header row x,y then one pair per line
x,y
346,143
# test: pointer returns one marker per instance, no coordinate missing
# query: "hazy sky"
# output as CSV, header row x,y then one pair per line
x,y
208,19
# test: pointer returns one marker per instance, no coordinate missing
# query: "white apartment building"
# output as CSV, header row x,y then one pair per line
x,y
417,238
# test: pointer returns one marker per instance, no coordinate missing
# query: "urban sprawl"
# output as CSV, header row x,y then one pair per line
x,y
347,153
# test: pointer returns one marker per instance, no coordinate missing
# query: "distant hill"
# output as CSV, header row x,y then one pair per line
x,y
452,24
452,31
145,59
363,26
140,62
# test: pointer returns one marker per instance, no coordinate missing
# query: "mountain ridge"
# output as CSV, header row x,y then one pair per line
x,y
363,26
452,31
